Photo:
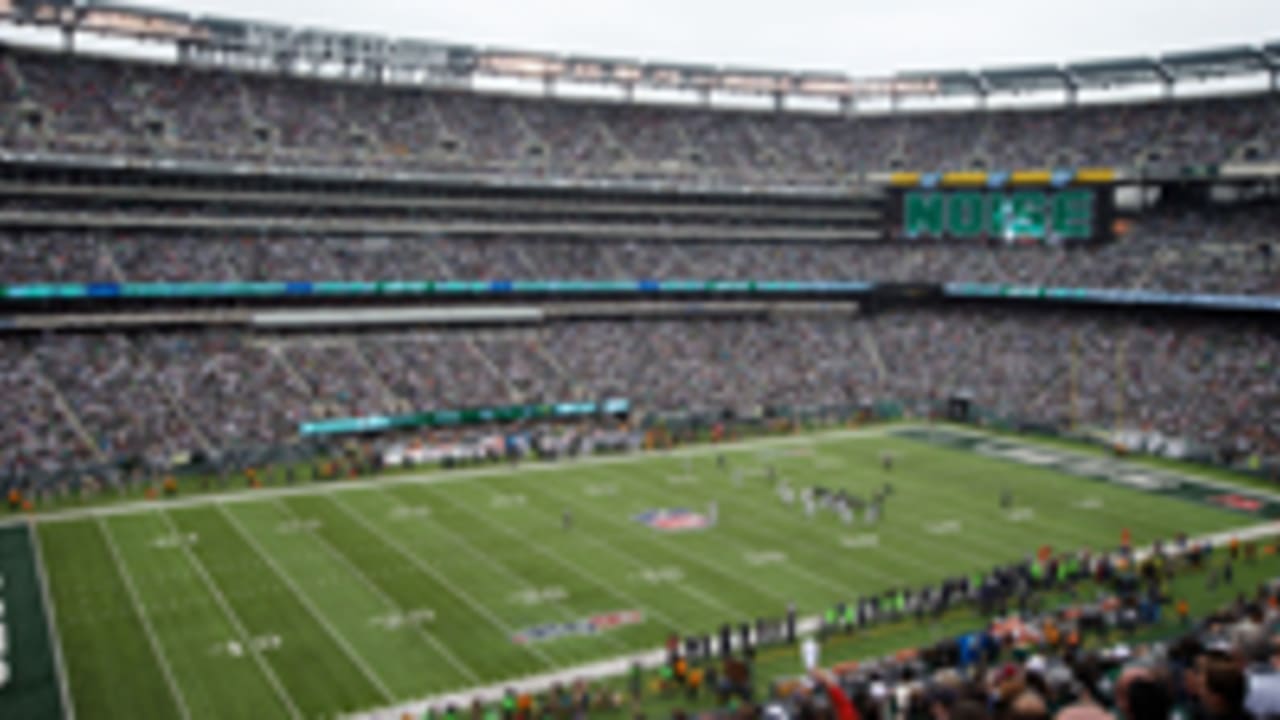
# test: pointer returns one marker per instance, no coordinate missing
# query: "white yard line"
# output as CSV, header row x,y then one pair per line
x,y
621,665
430,478
1067,527
914,538
658,540
799,571
531,683
571,567
114,549
1120,518
447,476
430,639
994,548
370,674
1189,476
457,592
702,597
616,666
500,568
906,538
760,509
234,619
51,625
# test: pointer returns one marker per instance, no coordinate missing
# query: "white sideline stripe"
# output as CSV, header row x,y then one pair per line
x,y
428,478
51,623
418,562
364,667
573,568
620,665
150,631
239,627
461,475
386,599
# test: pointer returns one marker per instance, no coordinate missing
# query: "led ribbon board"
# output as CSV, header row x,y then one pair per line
x,y
1043,215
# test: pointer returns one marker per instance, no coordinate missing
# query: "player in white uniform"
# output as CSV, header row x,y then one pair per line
x,y
809,650
785,493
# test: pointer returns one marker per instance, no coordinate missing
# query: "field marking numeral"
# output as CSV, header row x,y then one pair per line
x,y
660,575
764,557
508,501
1142,481
853,542
396,621
946,527
599,490
1022,515
540,596
410,512
1089,504
175,540
237,649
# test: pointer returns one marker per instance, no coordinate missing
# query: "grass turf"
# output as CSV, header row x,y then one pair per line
x,y
338,601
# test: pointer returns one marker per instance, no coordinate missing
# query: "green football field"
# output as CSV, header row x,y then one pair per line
x,y
330,599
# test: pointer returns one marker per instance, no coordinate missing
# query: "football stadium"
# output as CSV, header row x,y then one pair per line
x,y
349,375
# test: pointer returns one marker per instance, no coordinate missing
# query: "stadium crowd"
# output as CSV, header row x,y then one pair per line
x,y
81,104
1228,251
1073,636
208,391
1222,666
1213,384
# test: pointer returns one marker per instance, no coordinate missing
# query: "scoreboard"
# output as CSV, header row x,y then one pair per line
x,y
1058,215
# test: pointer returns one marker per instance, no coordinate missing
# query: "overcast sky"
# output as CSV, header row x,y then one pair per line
x,y
855,36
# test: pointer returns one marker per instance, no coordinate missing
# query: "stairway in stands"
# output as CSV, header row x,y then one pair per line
x,y
64,408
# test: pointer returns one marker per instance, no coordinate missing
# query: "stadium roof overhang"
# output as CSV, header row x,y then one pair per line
x,y
1112,73
299,48
1033,78
1216,62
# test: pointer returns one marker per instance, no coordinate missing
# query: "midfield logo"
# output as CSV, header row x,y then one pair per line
x,y
587,626
674,520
